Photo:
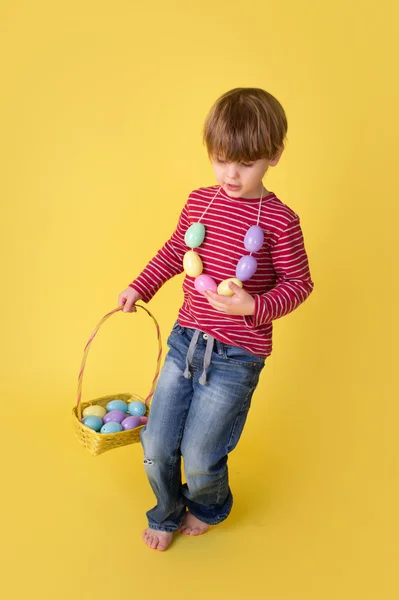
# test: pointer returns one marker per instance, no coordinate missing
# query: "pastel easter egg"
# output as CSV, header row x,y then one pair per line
x,y
144,420
93,422
223,288
111,427
137,409
131,422
246,267
205,282
195,235
117,405
192,264
254,238
114,415
95,410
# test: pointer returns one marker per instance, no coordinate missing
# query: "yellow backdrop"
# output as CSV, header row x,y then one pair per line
x,y
102,106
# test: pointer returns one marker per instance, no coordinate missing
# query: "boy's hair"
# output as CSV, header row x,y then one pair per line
x,y
245,124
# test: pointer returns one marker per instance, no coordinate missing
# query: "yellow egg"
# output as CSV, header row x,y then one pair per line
x,y
223,287
94,410
192,263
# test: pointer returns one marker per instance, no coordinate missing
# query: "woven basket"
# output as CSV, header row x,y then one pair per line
x,y
95,442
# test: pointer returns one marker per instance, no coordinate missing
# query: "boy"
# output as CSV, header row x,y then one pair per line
x,y
220,341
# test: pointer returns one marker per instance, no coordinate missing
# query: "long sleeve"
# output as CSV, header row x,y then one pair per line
x,y
293,284
167,263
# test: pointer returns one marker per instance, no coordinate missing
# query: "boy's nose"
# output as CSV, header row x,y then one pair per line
x,y
232,170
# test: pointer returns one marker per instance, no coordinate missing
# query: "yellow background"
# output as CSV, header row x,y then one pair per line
x,y
101,111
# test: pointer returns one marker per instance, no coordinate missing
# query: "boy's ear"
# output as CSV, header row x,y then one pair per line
x,y
275,160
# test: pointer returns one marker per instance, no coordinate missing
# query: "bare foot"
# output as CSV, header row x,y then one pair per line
x,y
157,540
193,526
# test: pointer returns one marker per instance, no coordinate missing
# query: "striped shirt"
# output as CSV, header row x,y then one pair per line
x,y
282,280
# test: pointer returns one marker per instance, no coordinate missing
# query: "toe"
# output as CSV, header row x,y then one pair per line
x,y
148,538
162,545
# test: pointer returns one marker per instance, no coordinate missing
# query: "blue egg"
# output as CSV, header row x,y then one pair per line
x,y
111,427
93,422
138,409
117,405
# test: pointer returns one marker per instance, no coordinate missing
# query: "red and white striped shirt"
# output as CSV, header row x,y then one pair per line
x,y
282,280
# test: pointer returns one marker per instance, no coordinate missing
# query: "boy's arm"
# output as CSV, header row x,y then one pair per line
x,y
294,283
167,263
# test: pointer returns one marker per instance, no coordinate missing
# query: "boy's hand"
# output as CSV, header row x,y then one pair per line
x,y
241,303
128,299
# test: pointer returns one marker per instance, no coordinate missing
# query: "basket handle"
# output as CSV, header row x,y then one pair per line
x,y
87,348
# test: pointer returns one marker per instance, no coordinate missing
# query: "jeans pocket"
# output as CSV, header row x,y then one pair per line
x,y
177,328
239,356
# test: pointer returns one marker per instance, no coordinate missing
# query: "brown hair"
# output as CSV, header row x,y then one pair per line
x,y
245,124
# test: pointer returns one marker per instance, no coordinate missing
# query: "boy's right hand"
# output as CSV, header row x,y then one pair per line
x,y
128,299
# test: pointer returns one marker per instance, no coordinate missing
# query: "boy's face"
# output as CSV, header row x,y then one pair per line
x,y
242,180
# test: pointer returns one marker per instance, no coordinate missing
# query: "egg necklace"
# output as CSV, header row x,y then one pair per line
x,y
246,266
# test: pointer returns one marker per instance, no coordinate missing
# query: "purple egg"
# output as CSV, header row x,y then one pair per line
x,y
114,415
246,267
254,238
131,422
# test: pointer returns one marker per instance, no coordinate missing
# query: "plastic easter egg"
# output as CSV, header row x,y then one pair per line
x,y
254,238
114,415
144,420
137,409
94,410
192,263
131,422
205,282
93,422
111,427
117,405
195,235
246,267
223,288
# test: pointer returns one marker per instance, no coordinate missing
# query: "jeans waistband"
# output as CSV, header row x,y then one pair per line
x,y
218,346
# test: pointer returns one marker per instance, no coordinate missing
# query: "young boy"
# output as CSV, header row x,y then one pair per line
x,y
220,341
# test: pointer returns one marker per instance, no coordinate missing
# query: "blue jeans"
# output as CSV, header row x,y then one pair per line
x,y
202,424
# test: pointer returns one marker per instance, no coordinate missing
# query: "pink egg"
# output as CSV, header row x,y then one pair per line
x,y
114,415
131,422
203,283
144,420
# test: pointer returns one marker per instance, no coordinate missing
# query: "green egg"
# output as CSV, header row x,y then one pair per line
x,y
195,235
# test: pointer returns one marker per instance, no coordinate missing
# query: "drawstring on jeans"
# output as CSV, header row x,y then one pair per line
x,y
207,358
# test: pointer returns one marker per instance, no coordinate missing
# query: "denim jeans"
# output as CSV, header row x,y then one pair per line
x,y
201,423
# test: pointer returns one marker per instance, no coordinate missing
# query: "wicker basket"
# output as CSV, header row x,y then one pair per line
x,y
95,442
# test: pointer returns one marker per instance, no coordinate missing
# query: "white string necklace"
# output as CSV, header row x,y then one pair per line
x,y
246,266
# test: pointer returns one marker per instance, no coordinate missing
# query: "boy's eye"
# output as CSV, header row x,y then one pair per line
x,y
219,160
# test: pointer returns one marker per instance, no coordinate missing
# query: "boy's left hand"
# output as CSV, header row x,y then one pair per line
x,y
241,303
